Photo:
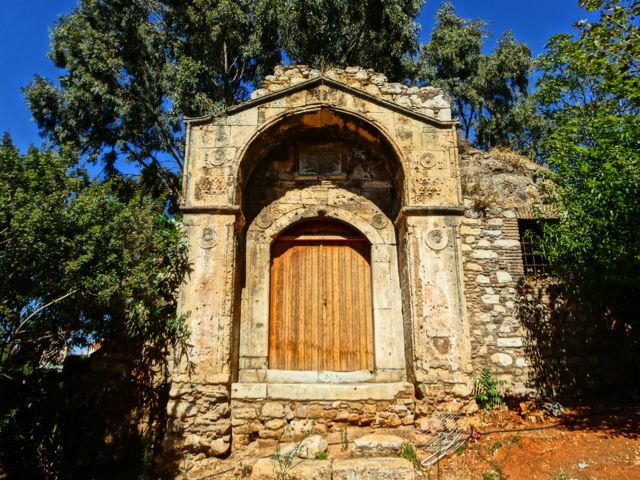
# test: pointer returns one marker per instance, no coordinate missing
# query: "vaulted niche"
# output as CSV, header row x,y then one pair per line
x,y
320,309
321,146
321,299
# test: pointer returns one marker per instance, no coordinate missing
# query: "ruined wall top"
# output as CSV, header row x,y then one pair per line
x,y
500,179
428,101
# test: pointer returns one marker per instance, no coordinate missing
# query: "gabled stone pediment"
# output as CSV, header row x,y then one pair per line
x,y
410,127
426,104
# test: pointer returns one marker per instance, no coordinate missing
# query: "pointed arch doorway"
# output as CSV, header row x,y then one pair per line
x,y
320,315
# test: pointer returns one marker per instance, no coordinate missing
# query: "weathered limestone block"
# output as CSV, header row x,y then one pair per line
x,y
308,448
376,445
272,469
384,468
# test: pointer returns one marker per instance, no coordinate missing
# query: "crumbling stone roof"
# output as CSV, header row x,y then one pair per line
x,y
429,101
501,179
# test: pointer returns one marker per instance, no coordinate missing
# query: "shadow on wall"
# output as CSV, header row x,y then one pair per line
x,y
100,417
573,354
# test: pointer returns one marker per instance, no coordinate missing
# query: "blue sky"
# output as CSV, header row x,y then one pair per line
x,y
24,39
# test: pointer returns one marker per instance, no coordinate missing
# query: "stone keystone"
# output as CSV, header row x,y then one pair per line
x,y
377,445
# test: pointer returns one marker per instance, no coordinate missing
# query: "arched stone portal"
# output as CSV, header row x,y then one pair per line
x,y
388,338
380,158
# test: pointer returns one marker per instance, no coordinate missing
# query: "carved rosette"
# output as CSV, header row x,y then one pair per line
x,y
437,239
208,238
378,221
428,160
214,157
265,219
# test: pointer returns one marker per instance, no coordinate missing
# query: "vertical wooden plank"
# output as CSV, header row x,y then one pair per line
x,y
321,309
292,357
274,304
368,310
334,281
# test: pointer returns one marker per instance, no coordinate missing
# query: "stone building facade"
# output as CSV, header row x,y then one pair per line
x,y
337,158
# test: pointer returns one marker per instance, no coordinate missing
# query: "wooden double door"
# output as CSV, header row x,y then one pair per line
x,y
320,301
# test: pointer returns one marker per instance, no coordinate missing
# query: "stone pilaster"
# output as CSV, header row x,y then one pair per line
x,y
434,302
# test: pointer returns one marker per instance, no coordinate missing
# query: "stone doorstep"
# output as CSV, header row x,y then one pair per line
x,y
316,391
371,468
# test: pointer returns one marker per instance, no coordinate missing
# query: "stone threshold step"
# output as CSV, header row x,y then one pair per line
x,y
370,468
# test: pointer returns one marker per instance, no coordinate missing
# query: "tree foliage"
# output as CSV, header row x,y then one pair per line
x,y
132,68
485,89
590,88
81,262
373,33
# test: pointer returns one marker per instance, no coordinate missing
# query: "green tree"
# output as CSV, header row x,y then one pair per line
x,y
590,88
375,34
81,262
485,89
132,69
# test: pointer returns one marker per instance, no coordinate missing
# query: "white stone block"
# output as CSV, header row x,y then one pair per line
x,y
502,359
503,277
377,445
510,342
484,254
383,468
248,390
490,299
504,243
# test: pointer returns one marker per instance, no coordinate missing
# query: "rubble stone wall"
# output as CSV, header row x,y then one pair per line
x,y
499,187
289,420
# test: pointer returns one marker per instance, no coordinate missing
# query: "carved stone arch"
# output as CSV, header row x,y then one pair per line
x,y
355,125
375,236
378,229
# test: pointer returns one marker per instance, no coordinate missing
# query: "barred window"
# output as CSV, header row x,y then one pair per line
x,y
533,261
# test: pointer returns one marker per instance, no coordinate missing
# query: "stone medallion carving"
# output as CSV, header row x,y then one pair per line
x,y
265,219
378,221
208,238
437,239
428,160
214,157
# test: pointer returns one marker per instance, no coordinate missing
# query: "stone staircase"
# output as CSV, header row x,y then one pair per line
x,y
371,457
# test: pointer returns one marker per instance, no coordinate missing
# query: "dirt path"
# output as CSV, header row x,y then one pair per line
x,y
588,444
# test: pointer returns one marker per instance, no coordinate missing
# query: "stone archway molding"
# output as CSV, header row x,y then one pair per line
x,y
255,376
271,124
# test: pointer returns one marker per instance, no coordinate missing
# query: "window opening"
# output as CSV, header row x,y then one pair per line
x,y
533,260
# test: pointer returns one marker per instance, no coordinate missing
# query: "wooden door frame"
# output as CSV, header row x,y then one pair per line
x,y
389,354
